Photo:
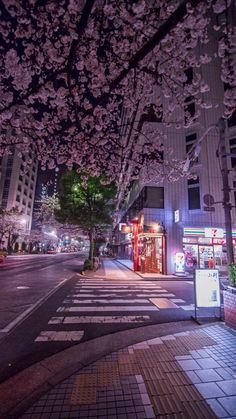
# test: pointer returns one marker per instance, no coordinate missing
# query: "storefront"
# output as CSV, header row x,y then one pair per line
x,y
151,253
206,247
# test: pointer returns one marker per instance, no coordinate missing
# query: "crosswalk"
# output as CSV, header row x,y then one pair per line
x,y
101,301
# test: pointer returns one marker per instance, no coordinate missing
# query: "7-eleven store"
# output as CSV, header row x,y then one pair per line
x,y
202,244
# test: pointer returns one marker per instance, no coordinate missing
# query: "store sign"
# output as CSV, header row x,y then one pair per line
x,y
179,262
177,216
207,288
214,232
126,229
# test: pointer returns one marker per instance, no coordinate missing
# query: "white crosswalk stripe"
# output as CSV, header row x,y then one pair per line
x,y
102,301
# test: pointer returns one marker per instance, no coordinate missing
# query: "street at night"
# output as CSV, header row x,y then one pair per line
x,y
117,209
85,308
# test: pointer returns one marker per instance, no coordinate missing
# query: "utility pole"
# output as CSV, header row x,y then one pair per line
x,y
226,191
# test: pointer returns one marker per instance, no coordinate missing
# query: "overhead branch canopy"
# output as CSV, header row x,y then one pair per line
x,y
73,72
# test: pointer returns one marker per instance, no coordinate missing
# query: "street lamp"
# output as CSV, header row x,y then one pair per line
x,y
135,224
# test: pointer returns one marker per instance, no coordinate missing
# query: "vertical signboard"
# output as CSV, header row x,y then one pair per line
x,y
207,288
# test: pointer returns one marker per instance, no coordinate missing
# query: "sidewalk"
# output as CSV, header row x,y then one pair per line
x,y
154,276
175,370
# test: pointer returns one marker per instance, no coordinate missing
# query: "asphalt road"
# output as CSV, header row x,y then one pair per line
x,y
26,279
82,309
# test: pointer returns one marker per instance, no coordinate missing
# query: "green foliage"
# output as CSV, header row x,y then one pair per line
x,y
232,274
85,200
88,266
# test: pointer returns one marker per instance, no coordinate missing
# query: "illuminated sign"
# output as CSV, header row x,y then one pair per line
x,y
207,288
179,262
177,216
214,232
126,229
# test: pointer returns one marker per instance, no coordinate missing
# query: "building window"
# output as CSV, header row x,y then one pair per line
x,y
191,139
21,177
234,188
32,186
23,202
19,188
30,195
193,194
25,191
153,197
26,182
18,198
189,108
232,120
232,146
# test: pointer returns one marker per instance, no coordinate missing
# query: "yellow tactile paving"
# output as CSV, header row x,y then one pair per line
x,y
86,380
83,395
109,379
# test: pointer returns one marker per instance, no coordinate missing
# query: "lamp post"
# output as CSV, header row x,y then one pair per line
x,y
135,233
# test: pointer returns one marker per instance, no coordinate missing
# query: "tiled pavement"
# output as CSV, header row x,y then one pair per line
x,y
184,375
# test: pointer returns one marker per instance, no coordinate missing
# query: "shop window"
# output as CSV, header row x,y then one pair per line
x,y
194,198
232,145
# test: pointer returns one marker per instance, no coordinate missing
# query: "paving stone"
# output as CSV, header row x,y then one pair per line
x,y
224,373
208,363
208,375
229,387
189,365
193,377
209,390
217,408
166,405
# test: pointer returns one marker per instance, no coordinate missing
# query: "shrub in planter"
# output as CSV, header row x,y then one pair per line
x,y
232,274
88,266
230,299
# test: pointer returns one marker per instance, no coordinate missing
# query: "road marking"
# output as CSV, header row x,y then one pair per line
x,y
177,300
98,319
163,303
22,287
53,336
108,308
102,300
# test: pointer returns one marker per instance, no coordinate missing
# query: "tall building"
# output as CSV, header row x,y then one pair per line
x,y
18,175
181,225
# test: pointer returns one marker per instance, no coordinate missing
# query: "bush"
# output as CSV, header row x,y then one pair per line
x,y
88,266
232,274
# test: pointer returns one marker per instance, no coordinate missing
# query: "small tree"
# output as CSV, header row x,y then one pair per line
x,y
11,226
86,201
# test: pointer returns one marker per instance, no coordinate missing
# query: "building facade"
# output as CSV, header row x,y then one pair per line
x,y
181,225
18,176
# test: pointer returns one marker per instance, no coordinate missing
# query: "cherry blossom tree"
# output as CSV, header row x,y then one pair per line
x,y
11,227
76,73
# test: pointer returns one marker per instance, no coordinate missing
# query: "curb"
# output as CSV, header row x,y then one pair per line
x,y
41,377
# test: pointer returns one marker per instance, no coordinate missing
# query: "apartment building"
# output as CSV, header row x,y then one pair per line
x,y
181,225
17,183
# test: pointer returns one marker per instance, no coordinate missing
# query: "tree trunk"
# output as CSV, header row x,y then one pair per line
x,y
91,246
